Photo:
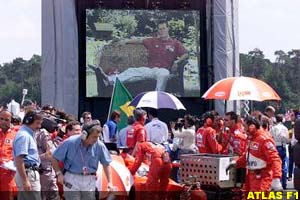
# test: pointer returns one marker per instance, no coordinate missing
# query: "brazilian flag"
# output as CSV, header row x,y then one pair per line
x,y
120,100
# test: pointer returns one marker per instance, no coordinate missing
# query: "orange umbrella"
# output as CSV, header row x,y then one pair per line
x,y
122,179
241,88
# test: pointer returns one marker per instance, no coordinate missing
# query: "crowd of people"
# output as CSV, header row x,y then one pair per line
x,y
260,141
54,153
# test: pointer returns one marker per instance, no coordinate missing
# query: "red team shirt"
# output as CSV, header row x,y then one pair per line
x,y
136,133
7,182
236,140
6,140
262,161
162,53
206,141
159,170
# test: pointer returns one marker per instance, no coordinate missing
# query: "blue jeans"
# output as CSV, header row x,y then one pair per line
x,y
282,153
291,161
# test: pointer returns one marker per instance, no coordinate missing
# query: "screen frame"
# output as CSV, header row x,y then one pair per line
x,y
194,104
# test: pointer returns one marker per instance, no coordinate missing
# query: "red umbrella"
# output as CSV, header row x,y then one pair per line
x,y
241,88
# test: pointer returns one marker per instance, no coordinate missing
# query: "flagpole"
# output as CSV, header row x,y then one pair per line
x,y
111,99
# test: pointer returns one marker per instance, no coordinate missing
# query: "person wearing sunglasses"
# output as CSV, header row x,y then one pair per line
x,y
87,117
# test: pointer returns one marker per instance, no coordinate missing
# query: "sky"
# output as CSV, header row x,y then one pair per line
x,y
269,25
20,35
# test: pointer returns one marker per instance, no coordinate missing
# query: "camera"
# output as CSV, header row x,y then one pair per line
x,y
179,124
199,122
16,120
49,124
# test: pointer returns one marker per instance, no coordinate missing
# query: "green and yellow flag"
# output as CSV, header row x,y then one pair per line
x,y
120,100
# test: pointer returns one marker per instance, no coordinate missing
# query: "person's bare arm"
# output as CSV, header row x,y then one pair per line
x,y
21,170
107,171
55,165
174,67
183,57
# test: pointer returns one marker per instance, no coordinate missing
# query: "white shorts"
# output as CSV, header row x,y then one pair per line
x,y
79,187
143,73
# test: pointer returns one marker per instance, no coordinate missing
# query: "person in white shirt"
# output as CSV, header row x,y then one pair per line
x,y
270,114
280,132
157,131
187,134
280,135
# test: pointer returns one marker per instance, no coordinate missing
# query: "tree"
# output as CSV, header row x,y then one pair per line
x,y
19,74
283,75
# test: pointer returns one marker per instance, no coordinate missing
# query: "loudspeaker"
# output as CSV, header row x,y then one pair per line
x,y
84,135
86,129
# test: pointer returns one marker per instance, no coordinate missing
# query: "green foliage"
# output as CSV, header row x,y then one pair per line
x,y
106,25
176,27
283,75
124,26
19,74
189,41
120,24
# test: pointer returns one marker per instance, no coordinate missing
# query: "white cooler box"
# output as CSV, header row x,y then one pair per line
x,y
208,169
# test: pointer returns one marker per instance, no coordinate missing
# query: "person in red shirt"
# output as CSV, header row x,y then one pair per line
x,y
261,160
265,123
164,50
7,135
206,140
234,137
221,132
160,167
72,128
220,128
165,54
137,133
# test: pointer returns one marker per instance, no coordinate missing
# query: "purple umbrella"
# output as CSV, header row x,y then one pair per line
x,y
157,100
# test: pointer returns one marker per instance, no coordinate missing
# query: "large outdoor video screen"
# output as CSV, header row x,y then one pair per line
x,y
145,49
